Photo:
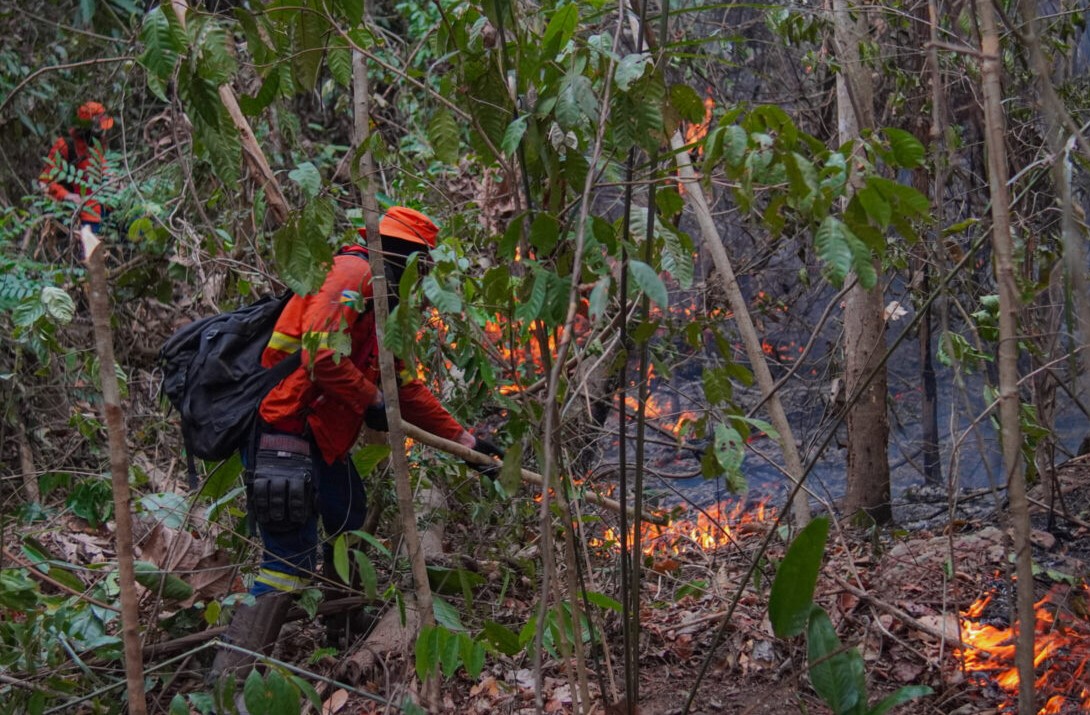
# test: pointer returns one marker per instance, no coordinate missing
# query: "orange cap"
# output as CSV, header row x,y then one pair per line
x,y
93,113
409,224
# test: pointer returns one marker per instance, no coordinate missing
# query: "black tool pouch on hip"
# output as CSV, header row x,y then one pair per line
x,y
282,494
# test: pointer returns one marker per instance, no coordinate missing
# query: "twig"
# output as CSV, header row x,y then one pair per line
x,y
953,641
54,68
1067,517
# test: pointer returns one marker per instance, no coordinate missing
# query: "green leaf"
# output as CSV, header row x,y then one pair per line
x,y
310,43
453,581
603,601
900,697
531,307
669,202
511,472
303,256
729,448
373,542
427,652
178,705
161,48
599,298
339,60
877,208
351,10
158,582
907,149
838,677
340,559
559,30
449,651
215,62
649,282
793,589
504,639
688,103
544,233
443,135
308,178
369,457
512,136
718,388
446,615
576,101
472,653
444,300
735,144
368,575
831,242
58,304
630,69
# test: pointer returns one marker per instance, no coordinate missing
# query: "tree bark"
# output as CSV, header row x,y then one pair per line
x,y
1009,403
864,322
99,300
396,435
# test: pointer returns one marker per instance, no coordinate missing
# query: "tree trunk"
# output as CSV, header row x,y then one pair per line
x,y
396,435
864,322
1009,403
99,300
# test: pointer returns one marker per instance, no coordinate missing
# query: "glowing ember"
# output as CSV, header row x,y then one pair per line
x,y
706,529
1061,652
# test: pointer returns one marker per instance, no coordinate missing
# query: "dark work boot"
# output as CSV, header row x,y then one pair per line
x,y
254,628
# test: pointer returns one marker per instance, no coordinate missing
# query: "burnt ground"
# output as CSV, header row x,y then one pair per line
x,y
893,593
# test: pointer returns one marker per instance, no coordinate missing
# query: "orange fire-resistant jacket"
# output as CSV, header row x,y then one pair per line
x,y
330,391
90,163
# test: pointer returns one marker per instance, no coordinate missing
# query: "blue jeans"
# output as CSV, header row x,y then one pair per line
x,y
290,557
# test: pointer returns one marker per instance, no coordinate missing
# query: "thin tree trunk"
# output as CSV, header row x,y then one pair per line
x,y
99,301
1009,404
362,132
864,323
694,192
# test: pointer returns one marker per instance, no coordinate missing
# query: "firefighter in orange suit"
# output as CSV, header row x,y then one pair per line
x,y
299,465
76,165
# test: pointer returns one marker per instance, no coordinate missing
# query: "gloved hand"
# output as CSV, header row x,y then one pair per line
x,y
486,447
375,417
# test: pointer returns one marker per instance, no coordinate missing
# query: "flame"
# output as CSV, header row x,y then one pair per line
x,y
706,529
696,132
1061,652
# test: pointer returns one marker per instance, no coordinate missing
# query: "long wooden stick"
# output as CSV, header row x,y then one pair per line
x,y
528,476
99,300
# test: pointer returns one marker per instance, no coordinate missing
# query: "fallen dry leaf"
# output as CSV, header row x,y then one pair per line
x,y
335,702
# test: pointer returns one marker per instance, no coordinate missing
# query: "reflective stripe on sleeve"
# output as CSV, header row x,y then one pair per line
x,y
284,342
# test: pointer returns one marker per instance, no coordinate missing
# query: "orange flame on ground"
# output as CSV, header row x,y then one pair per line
x,y
706,530
1061,647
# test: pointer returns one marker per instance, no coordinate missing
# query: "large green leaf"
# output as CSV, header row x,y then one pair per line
x,y
530,308
648,281
446,301
308,178
340,61
560,28
831,242
271,695
443,135
162,45
793,589
730,452
836,674
576,101
907,149
302,256
58,304
311,27
512,136
215,62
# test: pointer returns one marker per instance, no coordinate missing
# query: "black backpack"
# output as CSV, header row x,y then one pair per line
x,y
213,376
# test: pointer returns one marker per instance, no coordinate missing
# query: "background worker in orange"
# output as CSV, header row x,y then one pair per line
x,y
76,165
310,421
